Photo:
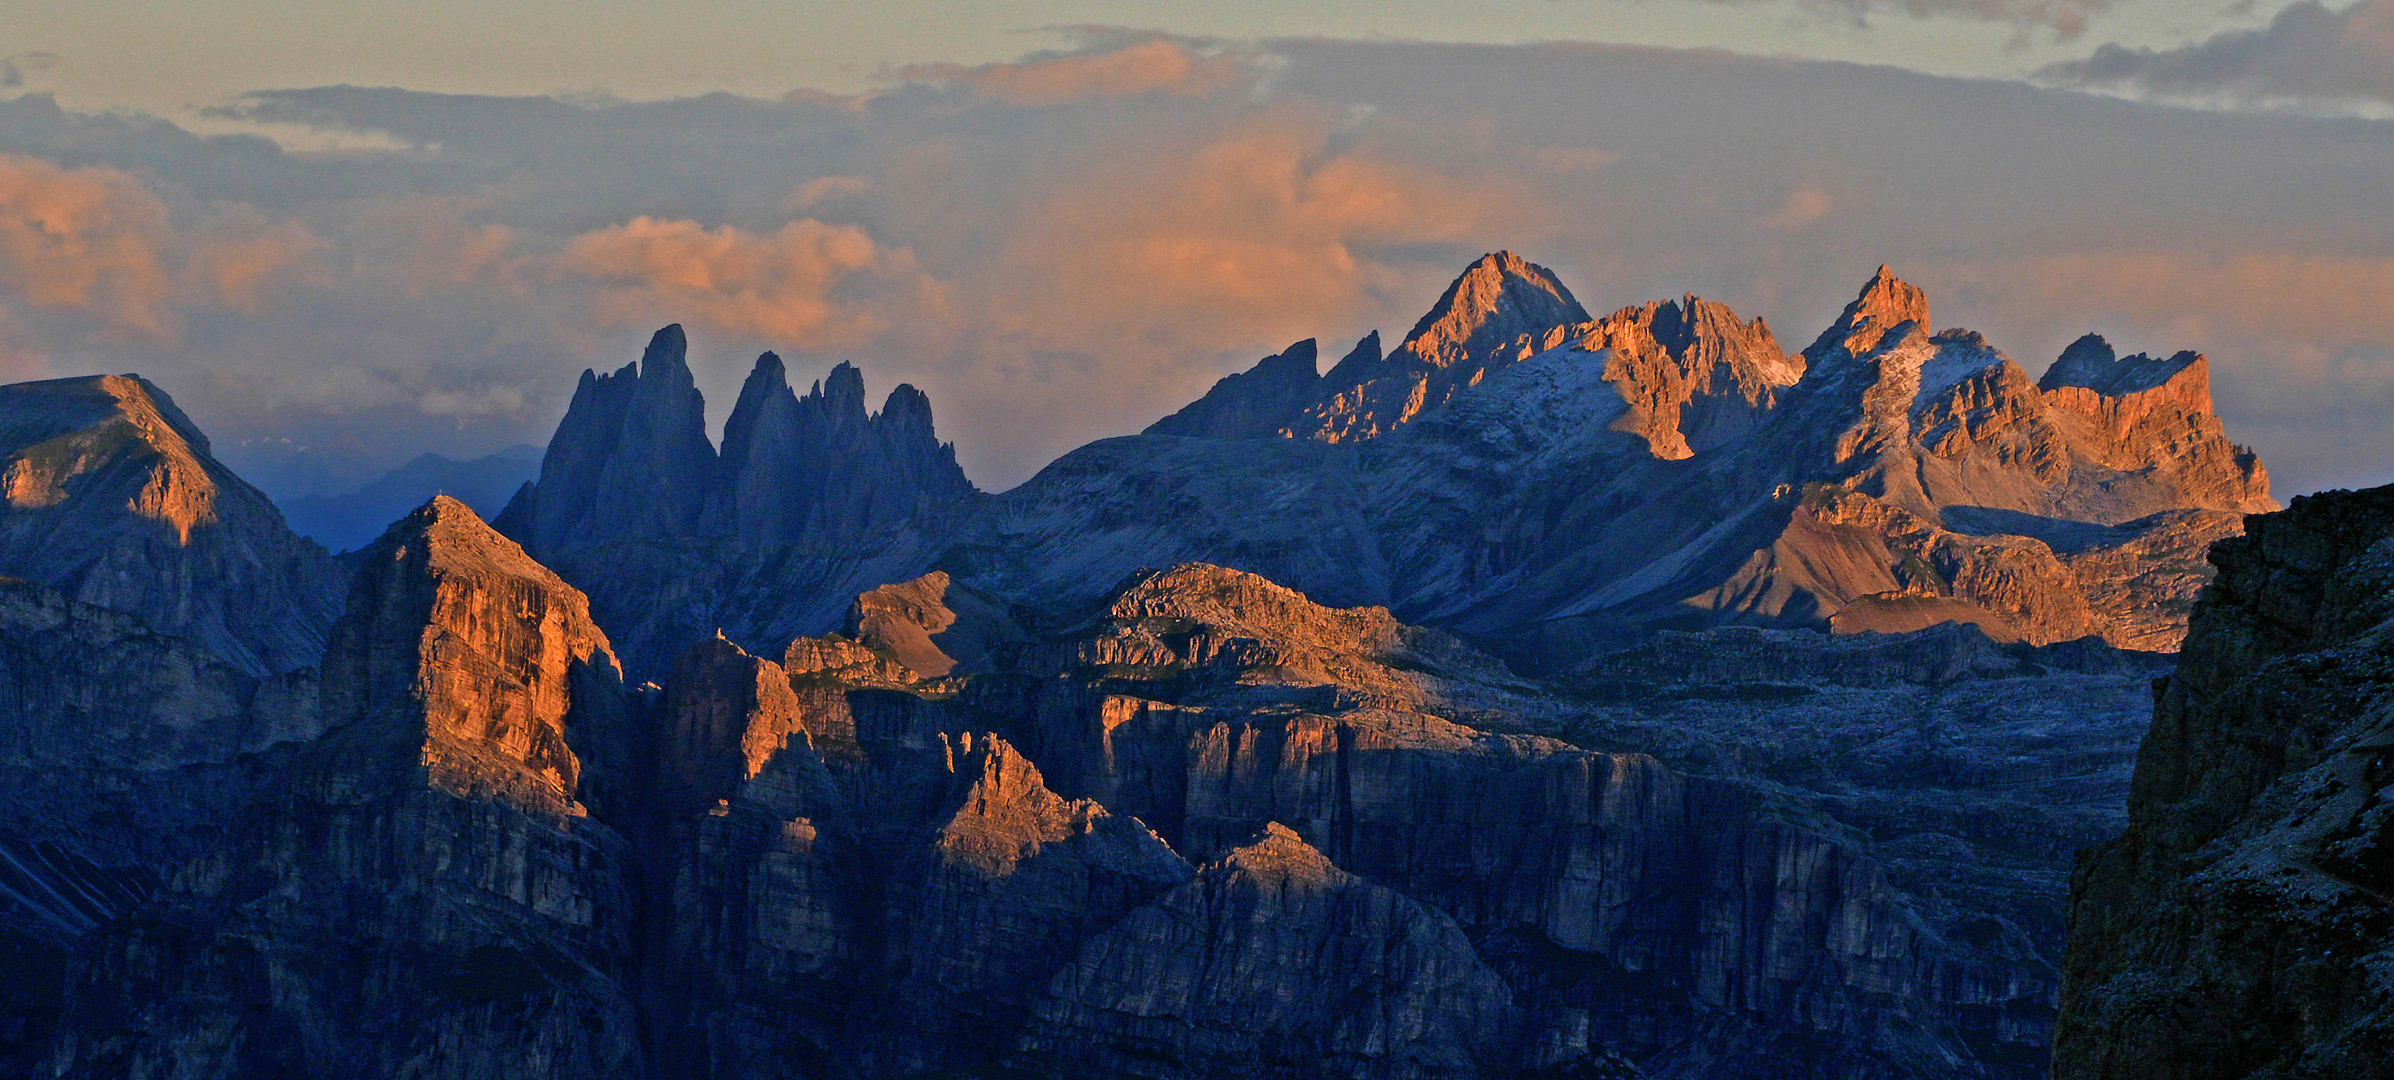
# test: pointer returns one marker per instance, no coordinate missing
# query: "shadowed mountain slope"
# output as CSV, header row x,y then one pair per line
x,y
113,499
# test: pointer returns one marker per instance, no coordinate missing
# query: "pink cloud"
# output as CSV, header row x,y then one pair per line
x,y
808,284
87,240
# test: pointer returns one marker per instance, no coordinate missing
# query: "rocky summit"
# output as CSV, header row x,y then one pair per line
x,y
114,500
1548,696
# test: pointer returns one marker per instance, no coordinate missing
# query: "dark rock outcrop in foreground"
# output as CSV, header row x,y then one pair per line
x,y
425,891
113,499
2243,926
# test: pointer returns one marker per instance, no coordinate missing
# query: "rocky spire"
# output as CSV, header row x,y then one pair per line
x,y
1500,300
631,458
1495,300
1886,302
1256,403
457,642
796,469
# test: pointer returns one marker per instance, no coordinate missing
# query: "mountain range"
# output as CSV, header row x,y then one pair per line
x,y
1545,696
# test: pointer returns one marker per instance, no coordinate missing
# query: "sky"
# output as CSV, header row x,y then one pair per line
x,y
344,239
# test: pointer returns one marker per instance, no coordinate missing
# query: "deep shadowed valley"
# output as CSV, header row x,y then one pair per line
x,y
1544,695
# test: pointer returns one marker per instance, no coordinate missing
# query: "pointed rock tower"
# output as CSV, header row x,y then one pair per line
x,y
1475,327
819,468
631,458
440,836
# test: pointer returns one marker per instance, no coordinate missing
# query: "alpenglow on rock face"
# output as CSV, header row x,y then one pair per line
x,y
1668,467
921,782
112,498
426,891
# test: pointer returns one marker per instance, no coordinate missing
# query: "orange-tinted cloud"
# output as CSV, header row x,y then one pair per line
x,y
243,262
2199,299
1263,229
807,285
85,239
1148,67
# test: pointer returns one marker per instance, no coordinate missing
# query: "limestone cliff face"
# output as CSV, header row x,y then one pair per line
x,y
112,498
1691,373
811,500
2240,926
1395,988
423,892
1681,923
125,753
1596,480
876,888
630,460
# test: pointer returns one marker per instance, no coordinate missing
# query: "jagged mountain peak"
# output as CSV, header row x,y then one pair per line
x,y
61,433
1496,299
458,640
1363,357
667,355
454,539
1886,302
841,390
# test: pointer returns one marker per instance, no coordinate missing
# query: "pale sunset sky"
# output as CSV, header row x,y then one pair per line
x,y
345,235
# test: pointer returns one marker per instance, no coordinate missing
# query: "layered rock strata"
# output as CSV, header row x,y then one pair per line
x,y
2241,926
1692,930
425,891
126,753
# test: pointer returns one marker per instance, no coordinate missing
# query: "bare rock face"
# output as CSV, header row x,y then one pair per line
x,y
126,753
424,892
875,889
811,500
630,460
1259,403
1675,918
819,468
2141,414
1497,301
934,626
1304,970
113,499
1596,480
1691,373
2240,927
